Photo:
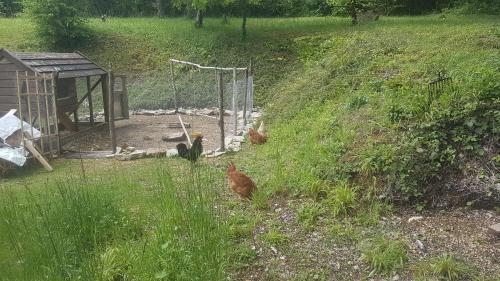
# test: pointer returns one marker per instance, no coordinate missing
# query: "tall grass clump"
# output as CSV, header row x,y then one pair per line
x,y
192,233
59,235
385,255
169,225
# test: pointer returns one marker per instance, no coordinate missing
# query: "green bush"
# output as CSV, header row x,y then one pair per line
x,y
59,22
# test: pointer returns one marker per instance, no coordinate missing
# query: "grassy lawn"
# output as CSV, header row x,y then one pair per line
x,y
351,138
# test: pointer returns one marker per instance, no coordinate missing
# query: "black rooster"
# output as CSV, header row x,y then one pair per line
x,y
192,154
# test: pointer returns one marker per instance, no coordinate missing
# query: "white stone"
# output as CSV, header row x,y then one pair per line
x,y
274,250
416,218
155,152
494,229
172,152
132,156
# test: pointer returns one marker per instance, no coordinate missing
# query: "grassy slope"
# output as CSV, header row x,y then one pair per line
x,y
142,47
333,121
328,115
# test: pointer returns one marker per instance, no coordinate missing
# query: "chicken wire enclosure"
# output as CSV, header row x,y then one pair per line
x,y
210,91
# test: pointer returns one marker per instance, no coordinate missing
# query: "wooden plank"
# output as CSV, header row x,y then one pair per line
x,y
8,91
63,68
8,75
38,56
185,131
105,96
13,99
81,73
8,83
9,67
31,147
91,106
12,84
5,107
48,62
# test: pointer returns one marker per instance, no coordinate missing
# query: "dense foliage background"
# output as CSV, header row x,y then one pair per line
x,y
259,8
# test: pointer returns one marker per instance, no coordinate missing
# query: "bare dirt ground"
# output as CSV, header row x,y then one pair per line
x,y
319,254
145,132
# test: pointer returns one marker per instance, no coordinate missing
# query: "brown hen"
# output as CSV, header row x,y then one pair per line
x,y
240,183
255,137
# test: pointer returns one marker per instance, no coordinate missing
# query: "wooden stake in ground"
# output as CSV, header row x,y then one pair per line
x,y
185,131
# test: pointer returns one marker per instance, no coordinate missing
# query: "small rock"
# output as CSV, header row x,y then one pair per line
x,y
416,218
129,149
234,146
494,229
207,111
396,277
155,152
174,137
146,112
278,210
147,138
131,156
421,246
172,152
356,267
274,250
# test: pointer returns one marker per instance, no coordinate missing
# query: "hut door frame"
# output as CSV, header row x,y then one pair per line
x,y
37,110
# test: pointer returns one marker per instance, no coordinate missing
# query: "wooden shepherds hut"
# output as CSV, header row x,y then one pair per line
x,y
25,78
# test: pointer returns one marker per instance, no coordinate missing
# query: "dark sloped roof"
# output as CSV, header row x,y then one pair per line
x,y
68,65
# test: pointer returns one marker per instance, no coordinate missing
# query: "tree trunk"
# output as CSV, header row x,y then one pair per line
x,y
199,19
244,23
159,6
224,19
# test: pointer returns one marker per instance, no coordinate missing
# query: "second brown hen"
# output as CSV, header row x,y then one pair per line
x,y
255,137
240,183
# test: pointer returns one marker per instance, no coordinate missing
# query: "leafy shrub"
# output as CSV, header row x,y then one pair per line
x,y
439,144
59,22
478,6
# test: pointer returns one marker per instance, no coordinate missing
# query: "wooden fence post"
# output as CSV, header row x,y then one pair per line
x,y
111,110
221,111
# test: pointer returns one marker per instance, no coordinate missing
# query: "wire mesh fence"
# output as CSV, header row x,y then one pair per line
x,y
223,94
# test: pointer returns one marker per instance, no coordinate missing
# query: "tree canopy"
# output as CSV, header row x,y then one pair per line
x,y
257,8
